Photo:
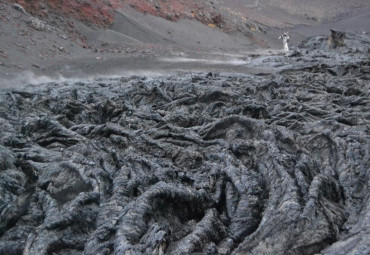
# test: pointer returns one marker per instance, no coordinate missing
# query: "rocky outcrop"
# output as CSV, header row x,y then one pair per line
x,y
336,39
100,13
203,163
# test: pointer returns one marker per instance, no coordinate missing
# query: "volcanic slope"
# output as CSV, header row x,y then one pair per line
x,y
58,46
49,40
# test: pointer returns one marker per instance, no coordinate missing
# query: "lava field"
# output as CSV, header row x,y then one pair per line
x,y
202,163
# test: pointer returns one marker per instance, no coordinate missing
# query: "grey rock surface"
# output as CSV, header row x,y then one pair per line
x,y
213,163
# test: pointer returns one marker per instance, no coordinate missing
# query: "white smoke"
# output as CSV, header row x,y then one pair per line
x,y
26,78
207,61
30,78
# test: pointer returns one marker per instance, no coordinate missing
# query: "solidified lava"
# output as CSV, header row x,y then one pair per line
x,y
195,163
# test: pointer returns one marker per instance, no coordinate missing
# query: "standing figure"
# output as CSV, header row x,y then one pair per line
x,y
285,38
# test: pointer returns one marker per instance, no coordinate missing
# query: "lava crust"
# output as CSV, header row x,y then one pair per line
x,y
200,163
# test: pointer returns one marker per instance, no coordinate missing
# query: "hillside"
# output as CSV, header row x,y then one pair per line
x,y
61,39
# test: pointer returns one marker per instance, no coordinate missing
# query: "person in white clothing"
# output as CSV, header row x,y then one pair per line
x,y
285,38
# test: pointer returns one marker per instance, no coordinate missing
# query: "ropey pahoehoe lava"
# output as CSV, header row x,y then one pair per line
x,y
201,163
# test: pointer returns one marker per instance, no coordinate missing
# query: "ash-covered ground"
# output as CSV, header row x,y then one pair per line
x,y
196,163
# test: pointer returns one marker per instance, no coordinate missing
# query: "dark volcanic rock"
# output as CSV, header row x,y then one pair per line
x,y
336,39
269,164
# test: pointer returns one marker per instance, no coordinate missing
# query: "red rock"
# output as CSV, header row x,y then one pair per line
x,y
89,11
